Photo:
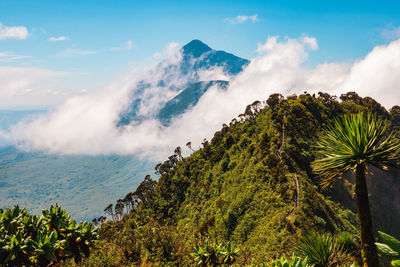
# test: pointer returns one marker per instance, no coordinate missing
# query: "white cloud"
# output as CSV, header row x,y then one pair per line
x,y
14,32
58,39
11,57
311,42
86,124
242,19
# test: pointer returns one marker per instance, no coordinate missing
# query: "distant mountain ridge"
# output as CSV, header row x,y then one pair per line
x,y
196,57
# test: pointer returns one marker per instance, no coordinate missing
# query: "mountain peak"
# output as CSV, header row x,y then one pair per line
x,y
196,48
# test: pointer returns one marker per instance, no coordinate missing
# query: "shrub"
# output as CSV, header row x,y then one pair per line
x,y
294,261
27,239
322,249
211,254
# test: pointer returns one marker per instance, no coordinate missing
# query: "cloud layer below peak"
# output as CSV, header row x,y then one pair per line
x,y
87,124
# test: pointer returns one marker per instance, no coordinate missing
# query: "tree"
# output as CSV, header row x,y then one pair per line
x,y
274,100
352,143
352,97
109,210
189,145
178,152
145,190
119,209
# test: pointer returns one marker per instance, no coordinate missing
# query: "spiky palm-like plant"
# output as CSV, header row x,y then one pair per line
x,y
322,249
351,143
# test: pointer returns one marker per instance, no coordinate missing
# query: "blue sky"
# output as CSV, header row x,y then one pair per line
x,y
104,39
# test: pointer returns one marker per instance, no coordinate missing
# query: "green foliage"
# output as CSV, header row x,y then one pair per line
x,y
390,248
353,140
352,143
322,250
293,261
214,255
349,243
27,239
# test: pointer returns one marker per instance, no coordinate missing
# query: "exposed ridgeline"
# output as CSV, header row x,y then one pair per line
x,y
251,185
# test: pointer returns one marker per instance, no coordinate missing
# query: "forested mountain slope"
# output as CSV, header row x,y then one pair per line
x,y
251,185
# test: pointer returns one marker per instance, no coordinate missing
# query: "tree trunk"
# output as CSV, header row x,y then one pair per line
x,y
369,252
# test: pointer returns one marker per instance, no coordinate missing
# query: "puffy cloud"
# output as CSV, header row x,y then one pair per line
x,y
13,32
311,42
377,75
87,124
58,39
242,19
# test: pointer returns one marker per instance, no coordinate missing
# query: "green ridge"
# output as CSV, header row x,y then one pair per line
x,y
251,186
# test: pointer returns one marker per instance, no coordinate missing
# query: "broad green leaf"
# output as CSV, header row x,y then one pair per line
x,y
392,242
386,250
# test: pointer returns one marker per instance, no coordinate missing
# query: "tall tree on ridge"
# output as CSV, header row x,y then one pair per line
x,y
352,143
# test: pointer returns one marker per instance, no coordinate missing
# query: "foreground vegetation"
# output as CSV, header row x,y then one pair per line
x,y
30,240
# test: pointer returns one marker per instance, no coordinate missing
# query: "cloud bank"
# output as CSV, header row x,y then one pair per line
x,y
14,32
87,124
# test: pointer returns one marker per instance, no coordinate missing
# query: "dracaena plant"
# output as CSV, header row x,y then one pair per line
x,y
351,144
